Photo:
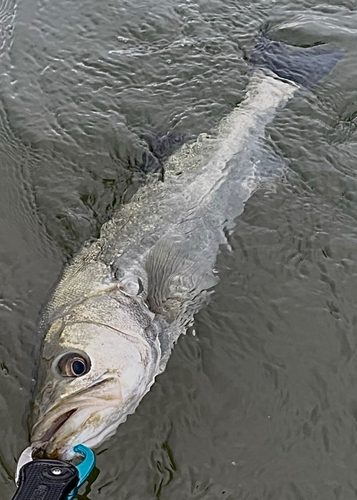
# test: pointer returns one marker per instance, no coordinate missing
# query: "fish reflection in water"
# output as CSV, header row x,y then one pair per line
x,y
123,301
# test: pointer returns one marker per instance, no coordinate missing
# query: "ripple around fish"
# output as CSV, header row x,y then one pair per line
x,y
26,256
7,17
261,402
223,439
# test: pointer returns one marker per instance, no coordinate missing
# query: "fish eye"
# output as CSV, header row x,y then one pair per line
x,y
73,364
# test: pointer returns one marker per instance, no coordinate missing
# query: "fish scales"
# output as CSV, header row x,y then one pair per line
x,y
122,302
201,188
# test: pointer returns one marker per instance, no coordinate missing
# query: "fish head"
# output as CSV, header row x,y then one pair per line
x,y
91,376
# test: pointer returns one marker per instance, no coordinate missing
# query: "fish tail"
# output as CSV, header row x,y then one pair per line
x,y
303,66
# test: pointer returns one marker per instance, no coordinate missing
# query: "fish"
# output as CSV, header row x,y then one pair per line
x,y
124,300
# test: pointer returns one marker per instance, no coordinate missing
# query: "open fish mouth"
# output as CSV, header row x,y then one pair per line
x,y
78,419
40,444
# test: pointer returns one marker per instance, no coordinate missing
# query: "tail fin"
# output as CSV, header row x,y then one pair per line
x,y
304,66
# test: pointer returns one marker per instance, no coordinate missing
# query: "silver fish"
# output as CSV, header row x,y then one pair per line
x,y
124,300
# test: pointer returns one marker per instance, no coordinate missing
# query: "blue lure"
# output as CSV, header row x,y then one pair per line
x,y
52,477
84,468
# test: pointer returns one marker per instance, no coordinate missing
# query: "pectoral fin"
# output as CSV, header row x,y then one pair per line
x,y
177,280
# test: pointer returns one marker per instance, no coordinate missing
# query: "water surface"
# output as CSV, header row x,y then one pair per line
x,y
261,402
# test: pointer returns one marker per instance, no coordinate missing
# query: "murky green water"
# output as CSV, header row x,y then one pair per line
x,y
261,403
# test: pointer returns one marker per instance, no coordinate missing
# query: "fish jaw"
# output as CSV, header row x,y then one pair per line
x,y
86,419
115,337
86,427
90,424
87,410
83,419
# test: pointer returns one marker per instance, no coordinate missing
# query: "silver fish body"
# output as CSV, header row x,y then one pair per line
x,y
123,301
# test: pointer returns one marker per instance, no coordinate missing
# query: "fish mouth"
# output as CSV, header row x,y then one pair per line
x,y
40,445
55,433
